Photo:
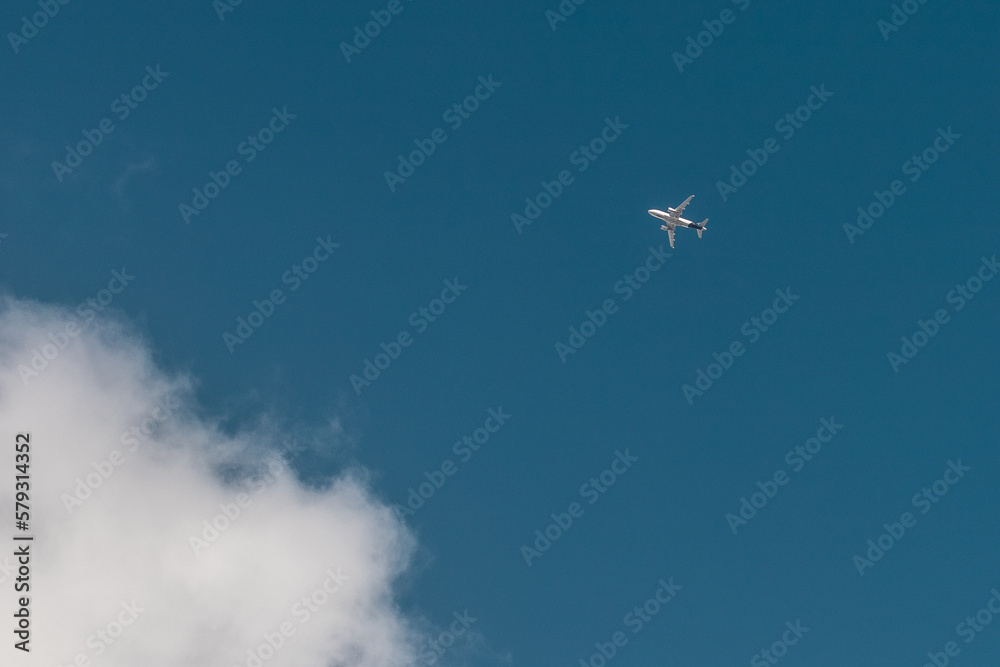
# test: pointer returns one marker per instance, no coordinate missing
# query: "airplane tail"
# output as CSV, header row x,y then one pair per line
x,y
702,227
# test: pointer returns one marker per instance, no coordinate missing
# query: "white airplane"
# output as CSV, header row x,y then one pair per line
x,y
672,218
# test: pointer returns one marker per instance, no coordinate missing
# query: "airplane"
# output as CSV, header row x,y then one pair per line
x,y
672,218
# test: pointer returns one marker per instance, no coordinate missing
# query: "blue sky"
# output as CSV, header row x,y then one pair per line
x,y
343,124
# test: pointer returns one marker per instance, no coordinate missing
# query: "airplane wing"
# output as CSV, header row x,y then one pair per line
x,y
680,209
670,232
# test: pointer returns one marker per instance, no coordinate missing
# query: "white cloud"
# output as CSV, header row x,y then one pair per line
x,y
129,542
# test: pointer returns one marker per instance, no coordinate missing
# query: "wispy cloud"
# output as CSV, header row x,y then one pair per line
x,y
126,175
291,575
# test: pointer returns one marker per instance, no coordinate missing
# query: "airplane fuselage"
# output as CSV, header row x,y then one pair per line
x,y
672,217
